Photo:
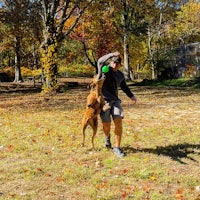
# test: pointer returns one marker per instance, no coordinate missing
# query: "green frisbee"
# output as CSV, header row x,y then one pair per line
x,y
105,69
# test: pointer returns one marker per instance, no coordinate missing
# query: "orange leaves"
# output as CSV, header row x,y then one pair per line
x,y
128,192
39,171
69,23
32,171
124,194
179,194
60,179
147,188
119,172
48,175
37,124
10,148
103,184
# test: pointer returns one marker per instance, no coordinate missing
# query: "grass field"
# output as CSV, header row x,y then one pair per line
x,y
41,156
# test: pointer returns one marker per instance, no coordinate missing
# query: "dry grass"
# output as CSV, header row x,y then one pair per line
x,y
41,156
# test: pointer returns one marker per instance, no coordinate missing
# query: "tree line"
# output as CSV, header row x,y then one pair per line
x,y
43,34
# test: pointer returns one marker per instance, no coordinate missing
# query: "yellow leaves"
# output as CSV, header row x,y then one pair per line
x,y
30,72
36,72
153,178
26,72
49,55
49,59
189,11
187,21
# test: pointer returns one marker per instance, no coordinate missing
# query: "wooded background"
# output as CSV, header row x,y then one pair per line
x,y
55,37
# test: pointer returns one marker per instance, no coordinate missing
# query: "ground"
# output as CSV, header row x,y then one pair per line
x,y
41,155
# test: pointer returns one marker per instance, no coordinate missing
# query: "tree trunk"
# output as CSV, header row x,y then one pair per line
x,y
49,57
151,55
18,77
125,43
35,58
126,59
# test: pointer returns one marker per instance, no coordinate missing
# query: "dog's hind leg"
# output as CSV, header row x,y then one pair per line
x,y
93,123
84,126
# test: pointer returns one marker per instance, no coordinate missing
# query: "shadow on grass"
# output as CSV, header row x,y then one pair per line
x,y
176,152
22,88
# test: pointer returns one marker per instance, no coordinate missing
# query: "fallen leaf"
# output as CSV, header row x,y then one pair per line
x,y
124,194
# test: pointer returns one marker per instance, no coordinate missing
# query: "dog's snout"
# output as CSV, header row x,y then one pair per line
x,y
101,77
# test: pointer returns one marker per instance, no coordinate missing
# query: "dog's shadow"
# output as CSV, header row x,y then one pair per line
x,y
176,152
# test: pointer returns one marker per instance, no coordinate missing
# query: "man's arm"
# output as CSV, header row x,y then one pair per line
x,y
103,59
127,91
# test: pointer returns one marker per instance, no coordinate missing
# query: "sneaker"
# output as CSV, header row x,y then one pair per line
x,y
117,151
108,143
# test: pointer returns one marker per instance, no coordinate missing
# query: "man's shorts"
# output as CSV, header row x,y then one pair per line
x,y
115,111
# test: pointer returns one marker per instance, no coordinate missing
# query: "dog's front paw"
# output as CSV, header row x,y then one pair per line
x,y
106,107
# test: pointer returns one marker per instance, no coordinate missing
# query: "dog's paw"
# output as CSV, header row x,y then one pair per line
x,y
106,107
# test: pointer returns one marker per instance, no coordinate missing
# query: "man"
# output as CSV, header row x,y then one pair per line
x,y
113,79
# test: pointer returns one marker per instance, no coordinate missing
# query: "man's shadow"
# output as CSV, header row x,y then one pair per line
x,y
176,152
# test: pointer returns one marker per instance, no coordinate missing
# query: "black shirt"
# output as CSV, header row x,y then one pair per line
x,y
112,81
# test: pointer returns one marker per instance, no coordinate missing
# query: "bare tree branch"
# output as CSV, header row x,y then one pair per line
x,y
93,63
79,14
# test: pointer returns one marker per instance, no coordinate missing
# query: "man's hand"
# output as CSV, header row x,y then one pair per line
x,y
116,53
133,98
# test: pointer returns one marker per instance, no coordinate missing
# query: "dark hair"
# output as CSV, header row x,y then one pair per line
x,y
117,60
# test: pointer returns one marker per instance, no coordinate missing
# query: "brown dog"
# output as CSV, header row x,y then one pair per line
x,y
95,103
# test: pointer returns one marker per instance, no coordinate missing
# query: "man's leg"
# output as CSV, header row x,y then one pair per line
x,y
118,131
106,129
106,121
118,136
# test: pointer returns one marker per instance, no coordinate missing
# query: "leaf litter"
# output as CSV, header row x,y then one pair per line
x,y
41,156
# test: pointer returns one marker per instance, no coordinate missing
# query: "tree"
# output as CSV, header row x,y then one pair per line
x,y
55,15
16,16
95,32
6,46
129,19
186,27
159,17
110,29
